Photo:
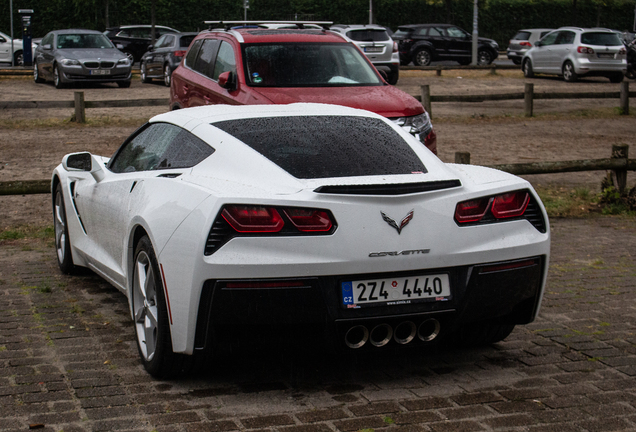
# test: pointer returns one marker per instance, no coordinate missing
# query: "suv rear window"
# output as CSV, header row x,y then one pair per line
x,y
402,33
327,146
522,35
603,39
368,35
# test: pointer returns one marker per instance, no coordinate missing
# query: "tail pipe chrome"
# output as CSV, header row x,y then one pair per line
x,y
381,334
356,336
428,330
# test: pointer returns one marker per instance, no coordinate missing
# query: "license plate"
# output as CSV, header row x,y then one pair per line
x,y
395,291
373,49
607,56
100,72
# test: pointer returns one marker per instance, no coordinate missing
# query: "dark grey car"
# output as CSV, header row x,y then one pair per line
x,y
76,55
164,56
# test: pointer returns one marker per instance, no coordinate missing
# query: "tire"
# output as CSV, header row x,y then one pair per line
x,y
527,69
57,77
480,334
484,57
18,58
143,73
123,84
150,314
422,57
393,77
463,62
36,74
62,239
167,75
568,72
631,71
616,78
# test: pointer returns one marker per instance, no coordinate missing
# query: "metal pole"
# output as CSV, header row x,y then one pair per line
x,y
370,11
475,33
11,19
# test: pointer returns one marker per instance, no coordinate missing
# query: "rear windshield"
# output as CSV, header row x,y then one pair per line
x,y
603,39
307,65
368,35
402,33
186,41
522,35
327,146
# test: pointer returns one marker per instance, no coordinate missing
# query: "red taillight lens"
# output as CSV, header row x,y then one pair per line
x,y
585,50
253,219
395,47
472,211
528,44
512,204
309,220
179,53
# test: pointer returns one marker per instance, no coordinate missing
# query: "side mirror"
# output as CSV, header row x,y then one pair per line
x,y
77,162
227,80
47,46
538,44
150,47
119,46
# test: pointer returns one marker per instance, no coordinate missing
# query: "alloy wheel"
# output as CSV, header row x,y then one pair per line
x,y
60,227
145,305
166,76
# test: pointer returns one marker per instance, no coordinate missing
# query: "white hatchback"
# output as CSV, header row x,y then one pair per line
x,y
574,52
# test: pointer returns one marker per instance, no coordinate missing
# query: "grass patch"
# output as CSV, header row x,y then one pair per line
x,y
598,113
565,202
28,232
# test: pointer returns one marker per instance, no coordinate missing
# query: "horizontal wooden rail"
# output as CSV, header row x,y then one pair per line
x,y
88,104
567,166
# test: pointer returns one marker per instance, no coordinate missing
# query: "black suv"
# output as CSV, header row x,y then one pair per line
x,y
135,39
424,43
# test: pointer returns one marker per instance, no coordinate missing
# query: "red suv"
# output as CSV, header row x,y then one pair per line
x,y
281,66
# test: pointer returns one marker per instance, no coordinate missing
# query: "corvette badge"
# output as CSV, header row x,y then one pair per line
x,y
404,222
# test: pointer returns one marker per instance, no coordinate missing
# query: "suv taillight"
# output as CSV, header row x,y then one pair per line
x,y
585,50
179,53
395,47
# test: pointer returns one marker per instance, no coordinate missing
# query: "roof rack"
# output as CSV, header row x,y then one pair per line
x,y
229,24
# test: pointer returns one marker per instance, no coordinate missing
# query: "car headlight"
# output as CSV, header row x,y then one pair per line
x,y
419,124
124,62
70,62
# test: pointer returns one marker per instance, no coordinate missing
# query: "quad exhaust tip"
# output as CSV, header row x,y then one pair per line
x,y
404,333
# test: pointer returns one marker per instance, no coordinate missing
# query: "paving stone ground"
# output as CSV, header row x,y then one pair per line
x,y
68,361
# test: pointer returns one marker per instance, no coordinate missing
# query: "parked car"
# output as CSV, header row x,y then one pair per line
x,y
218,222
282,66
377,45
424,43
75,55
523,41
164,57
7,53
134,40
574,52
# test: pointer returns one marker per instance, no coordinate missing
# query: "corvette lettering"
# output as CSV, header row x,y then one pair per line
x,y
398,253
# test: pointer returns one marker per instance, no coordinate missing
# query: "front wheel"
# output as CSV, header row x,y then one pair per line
x,y
167,75
422,58
144,73
57,77
569,74
527,69
151,316
18,58
484,58
36,74
62,240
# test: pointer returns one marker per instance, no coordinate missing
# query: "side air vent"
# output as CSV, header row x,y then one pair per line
x,y
389,189
169,175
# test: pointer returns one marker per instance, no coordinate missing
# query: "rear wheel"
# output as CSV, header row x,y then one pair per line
x,y
393,76
568,72
631,71
151,316
62,240
484,57
527,69
616,78
422,57
18,58
485,333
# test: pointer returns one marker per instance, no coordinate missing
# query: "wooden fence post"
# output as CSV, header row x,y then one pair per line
x,y
438,72
620,151
80,107
493,69
462,158
625,98
425,91
528,99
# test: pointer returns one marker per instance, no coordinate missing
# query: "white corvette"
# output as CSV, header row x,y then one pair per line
x,y
218,217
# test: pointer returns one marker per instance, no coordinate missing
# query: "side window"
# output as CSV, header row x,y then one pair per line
x,y
225,61
434,32
168,41
192,53
205,59
566,38
160,146
421,31
160,42
456,32
48,39
550,39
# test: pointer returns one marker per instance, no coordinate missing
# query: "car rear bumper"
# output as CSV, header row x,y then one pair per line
x,y
586,67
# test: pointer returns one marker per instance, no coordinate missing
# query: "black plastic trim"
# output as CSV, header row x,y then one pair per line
x,y
389,189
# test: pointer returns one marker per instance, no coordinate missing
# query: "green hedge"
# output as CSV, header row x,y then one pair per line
x,y
498,19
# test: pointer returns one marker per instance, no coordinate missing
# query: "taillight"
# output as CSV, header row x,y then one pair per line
x,y
253,219
472,211
622,51
528,44
179,53
395,47
585,50
509,205
309,220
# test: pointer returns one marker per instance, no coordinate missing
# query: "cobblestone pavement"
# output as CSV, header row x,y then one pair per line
x,y
69,362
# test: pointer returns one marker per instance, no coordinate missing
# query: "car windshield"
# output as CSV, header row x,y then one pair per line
x,y
75,41
327,146
602,39
368,35
307,65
